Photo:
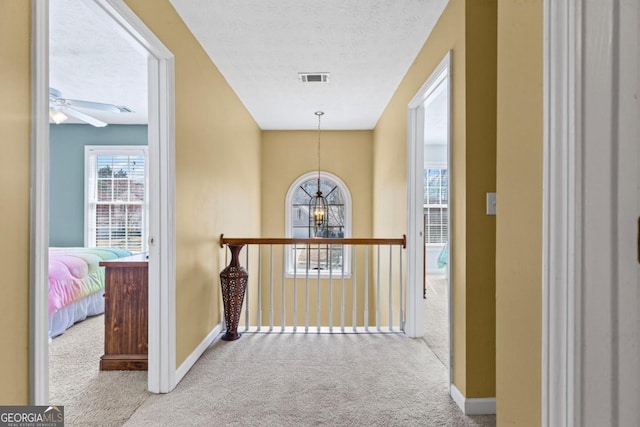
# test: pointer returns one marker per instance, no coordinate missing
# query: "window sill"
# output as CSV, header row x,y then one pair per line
x,y
314,275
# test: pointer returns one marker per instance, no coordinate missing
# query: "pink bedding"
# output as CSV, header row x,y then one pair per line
x,y
74,274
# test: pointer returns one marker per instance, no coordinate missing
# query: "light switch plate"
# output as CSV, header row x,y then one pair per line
x,y
491,203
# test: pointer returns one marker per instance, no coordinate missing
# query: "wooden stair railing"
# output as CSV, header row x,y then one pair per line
x,y
234,277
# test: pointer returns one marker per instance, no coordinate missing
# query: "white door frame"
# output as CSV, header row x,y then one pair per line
x,y
161,135
415,202
560,202
590,273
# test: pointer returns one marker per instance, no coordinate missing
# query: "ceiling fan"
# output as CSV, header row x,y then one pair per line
x,y
60,108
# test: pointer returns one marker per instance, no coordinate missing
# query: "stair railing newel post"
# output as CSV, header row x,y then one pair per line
x,y
233,281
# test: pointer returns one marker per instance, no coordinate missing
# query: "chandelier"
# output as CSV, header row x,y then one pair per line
x,y
318,204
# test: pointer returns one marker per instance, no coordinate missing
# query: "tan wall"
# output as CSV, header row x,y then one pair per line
x,y
519,228
480,147
464,25
286,155
217,174
15,113
289,154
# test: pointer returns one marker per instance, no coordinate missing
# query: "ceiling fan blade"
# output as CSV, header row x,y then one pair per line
x,y
84,117
77,103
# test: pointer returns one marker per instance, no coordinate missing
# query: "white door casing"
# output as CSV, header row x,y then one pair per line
x,y
415,201
161,136
627,224
591,288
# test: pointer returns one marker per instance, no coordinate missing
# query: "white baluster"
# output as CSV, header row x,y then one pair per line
x,y
270,288
283,307
246,294
354,313
390,288
342,290
366,288
306,280
259,287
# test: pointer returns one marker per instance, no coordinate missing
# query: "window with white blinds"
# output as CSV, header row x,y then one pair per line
x,y
116,197
436,201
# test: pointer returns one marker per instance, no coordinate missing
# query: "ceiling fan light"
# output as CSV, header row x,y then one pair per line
x,y
57,116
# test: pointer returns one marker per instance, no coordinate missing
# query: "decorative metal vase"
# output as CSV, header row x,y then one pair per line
x,y
234,284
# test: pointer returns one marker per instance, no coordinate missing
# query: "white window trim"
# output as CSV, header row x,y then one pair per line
x,y
90,153
347,226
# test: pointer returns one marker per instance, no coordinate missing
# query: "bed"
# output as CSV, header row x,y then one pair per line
x,y
76,284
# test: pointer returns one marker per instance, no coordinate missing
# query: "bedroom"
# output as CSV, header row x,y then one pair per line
x,y
92,146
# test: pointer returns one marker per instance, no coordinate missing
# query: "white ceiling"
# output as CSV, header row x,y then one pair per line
x,y
259,46
89,60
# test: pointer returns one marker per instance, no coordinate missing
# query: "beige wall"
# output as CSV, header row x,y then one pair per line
x,y
289,154
217,174
15,113
519,228
286,155
480,150
464,26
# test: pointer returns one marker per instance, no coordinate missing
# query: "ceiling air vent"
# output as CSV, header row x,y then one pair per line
x,y
313,77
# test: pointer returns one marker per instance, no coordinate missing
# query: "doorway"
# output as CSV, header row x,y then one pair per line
x,y
160,64
436,218
428,225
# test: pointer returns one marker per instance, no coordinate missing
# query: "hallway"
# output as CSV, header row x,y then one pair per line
x,y
265,380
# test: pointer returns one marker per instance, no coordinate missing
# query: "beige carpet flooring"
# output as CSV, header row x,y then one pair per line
x,y
264,380
91,397
436,320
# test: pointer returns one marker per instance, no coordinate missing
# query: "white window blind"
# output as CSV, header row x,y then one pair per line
x,y
116,197
436,200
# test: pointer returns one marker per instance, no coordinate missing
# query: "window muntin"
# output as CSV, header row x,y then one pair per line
x,y
116,197
326,259
436,200
303,221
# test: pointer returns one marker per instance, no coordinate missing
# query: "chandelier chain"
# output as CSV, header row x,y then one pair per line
x,y
319,114
318,204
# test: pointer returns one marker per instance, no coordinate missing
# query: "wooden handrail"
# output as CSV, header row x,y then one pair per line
x,y
311,241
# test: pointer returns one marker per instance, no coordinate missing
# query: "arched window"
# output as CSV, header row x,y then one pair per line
x,y
329,259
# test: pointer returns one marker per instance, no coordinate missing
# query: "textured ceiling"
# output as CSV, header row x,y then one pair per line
x,y
89,60
260,46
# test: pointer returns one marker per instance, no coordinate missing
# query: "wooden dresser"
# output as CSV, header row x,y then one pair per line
x,y
125,314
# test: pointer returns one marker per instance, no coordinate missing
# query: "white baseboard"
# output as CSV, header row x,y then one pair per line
x,y
473,406
195,355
